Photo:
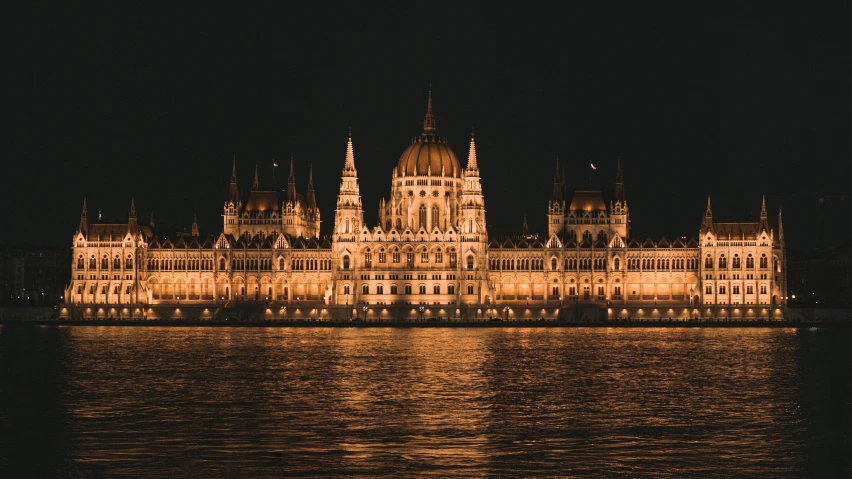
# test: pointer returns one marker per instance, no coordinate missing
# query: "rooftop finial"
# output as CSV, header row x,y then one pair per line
x,y
234,170
471,155
256,184
429,121
132,207
151,223
763,205
349,164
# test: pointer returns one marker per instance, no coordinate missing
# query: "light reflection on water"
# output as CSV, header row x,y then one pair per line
x,y
143,402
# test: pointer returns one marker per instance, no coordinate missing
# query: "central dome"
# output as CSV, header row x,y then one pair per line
x,y
429,155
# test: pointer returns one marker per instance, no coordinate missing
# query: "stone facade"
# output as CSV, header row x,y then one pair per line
x,y
431,254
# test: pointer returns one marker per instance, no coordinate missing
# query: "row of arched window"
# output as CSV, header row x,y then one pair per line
x,y
180,264
664,264
735,261
105,263
517,264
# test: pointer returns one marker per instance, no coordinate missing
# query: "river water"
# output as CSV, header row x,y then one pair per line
x,y
88,401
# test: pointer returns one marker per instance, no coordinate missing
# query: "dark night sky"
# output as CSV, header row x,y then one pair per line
x,y
154,104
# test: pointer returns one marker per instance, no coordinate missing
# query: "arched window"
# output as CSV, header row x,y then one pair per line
x,y
553,264
453,258
422,222
470,262
723,262
346,261
128,263
116,262
221,264
80,263
750,262
764,263
735,263
368,258
281,263
395,255
347,226
439,256
435,217
708,261
616,264
105,262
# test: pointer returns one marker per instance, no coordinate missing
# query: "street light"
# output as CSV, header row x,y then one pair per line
x,y
365,309
422,308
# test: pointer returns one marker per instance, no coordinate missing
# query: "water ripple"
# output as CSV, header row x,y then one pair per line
x,y
152,402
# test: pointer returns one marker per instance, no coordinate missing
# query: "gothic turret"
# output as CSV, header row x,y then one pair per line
x,y
131,216
234,190
256,184
707,222
195,225
291,184
473,204
84,219
764,219
311,199
348,216
556,206
619,213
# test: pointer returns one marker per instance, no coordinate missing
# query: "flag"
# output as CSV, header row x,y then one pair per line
x,y
274,164
592,165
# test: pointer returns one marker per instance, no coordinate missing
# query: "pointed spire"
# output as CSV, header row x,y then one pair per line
x,y
471,155
763,213
195,224
151,223
84,221
525,227
780,226
256,184
709,212
429,120
291,183
312,199
234,189
558,183
619,182
234,170
132,207
349,164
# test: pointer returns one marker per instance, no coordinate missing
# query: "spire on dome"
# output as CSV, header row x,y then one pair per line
x,y
256,184
471,155
429,121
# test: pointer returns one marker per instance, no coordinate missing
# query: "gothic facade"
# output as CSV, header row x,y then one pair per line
x,y
431,251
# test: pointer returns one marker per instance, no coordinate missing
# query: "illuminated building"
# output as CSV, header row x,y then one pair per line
x,y
431,251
